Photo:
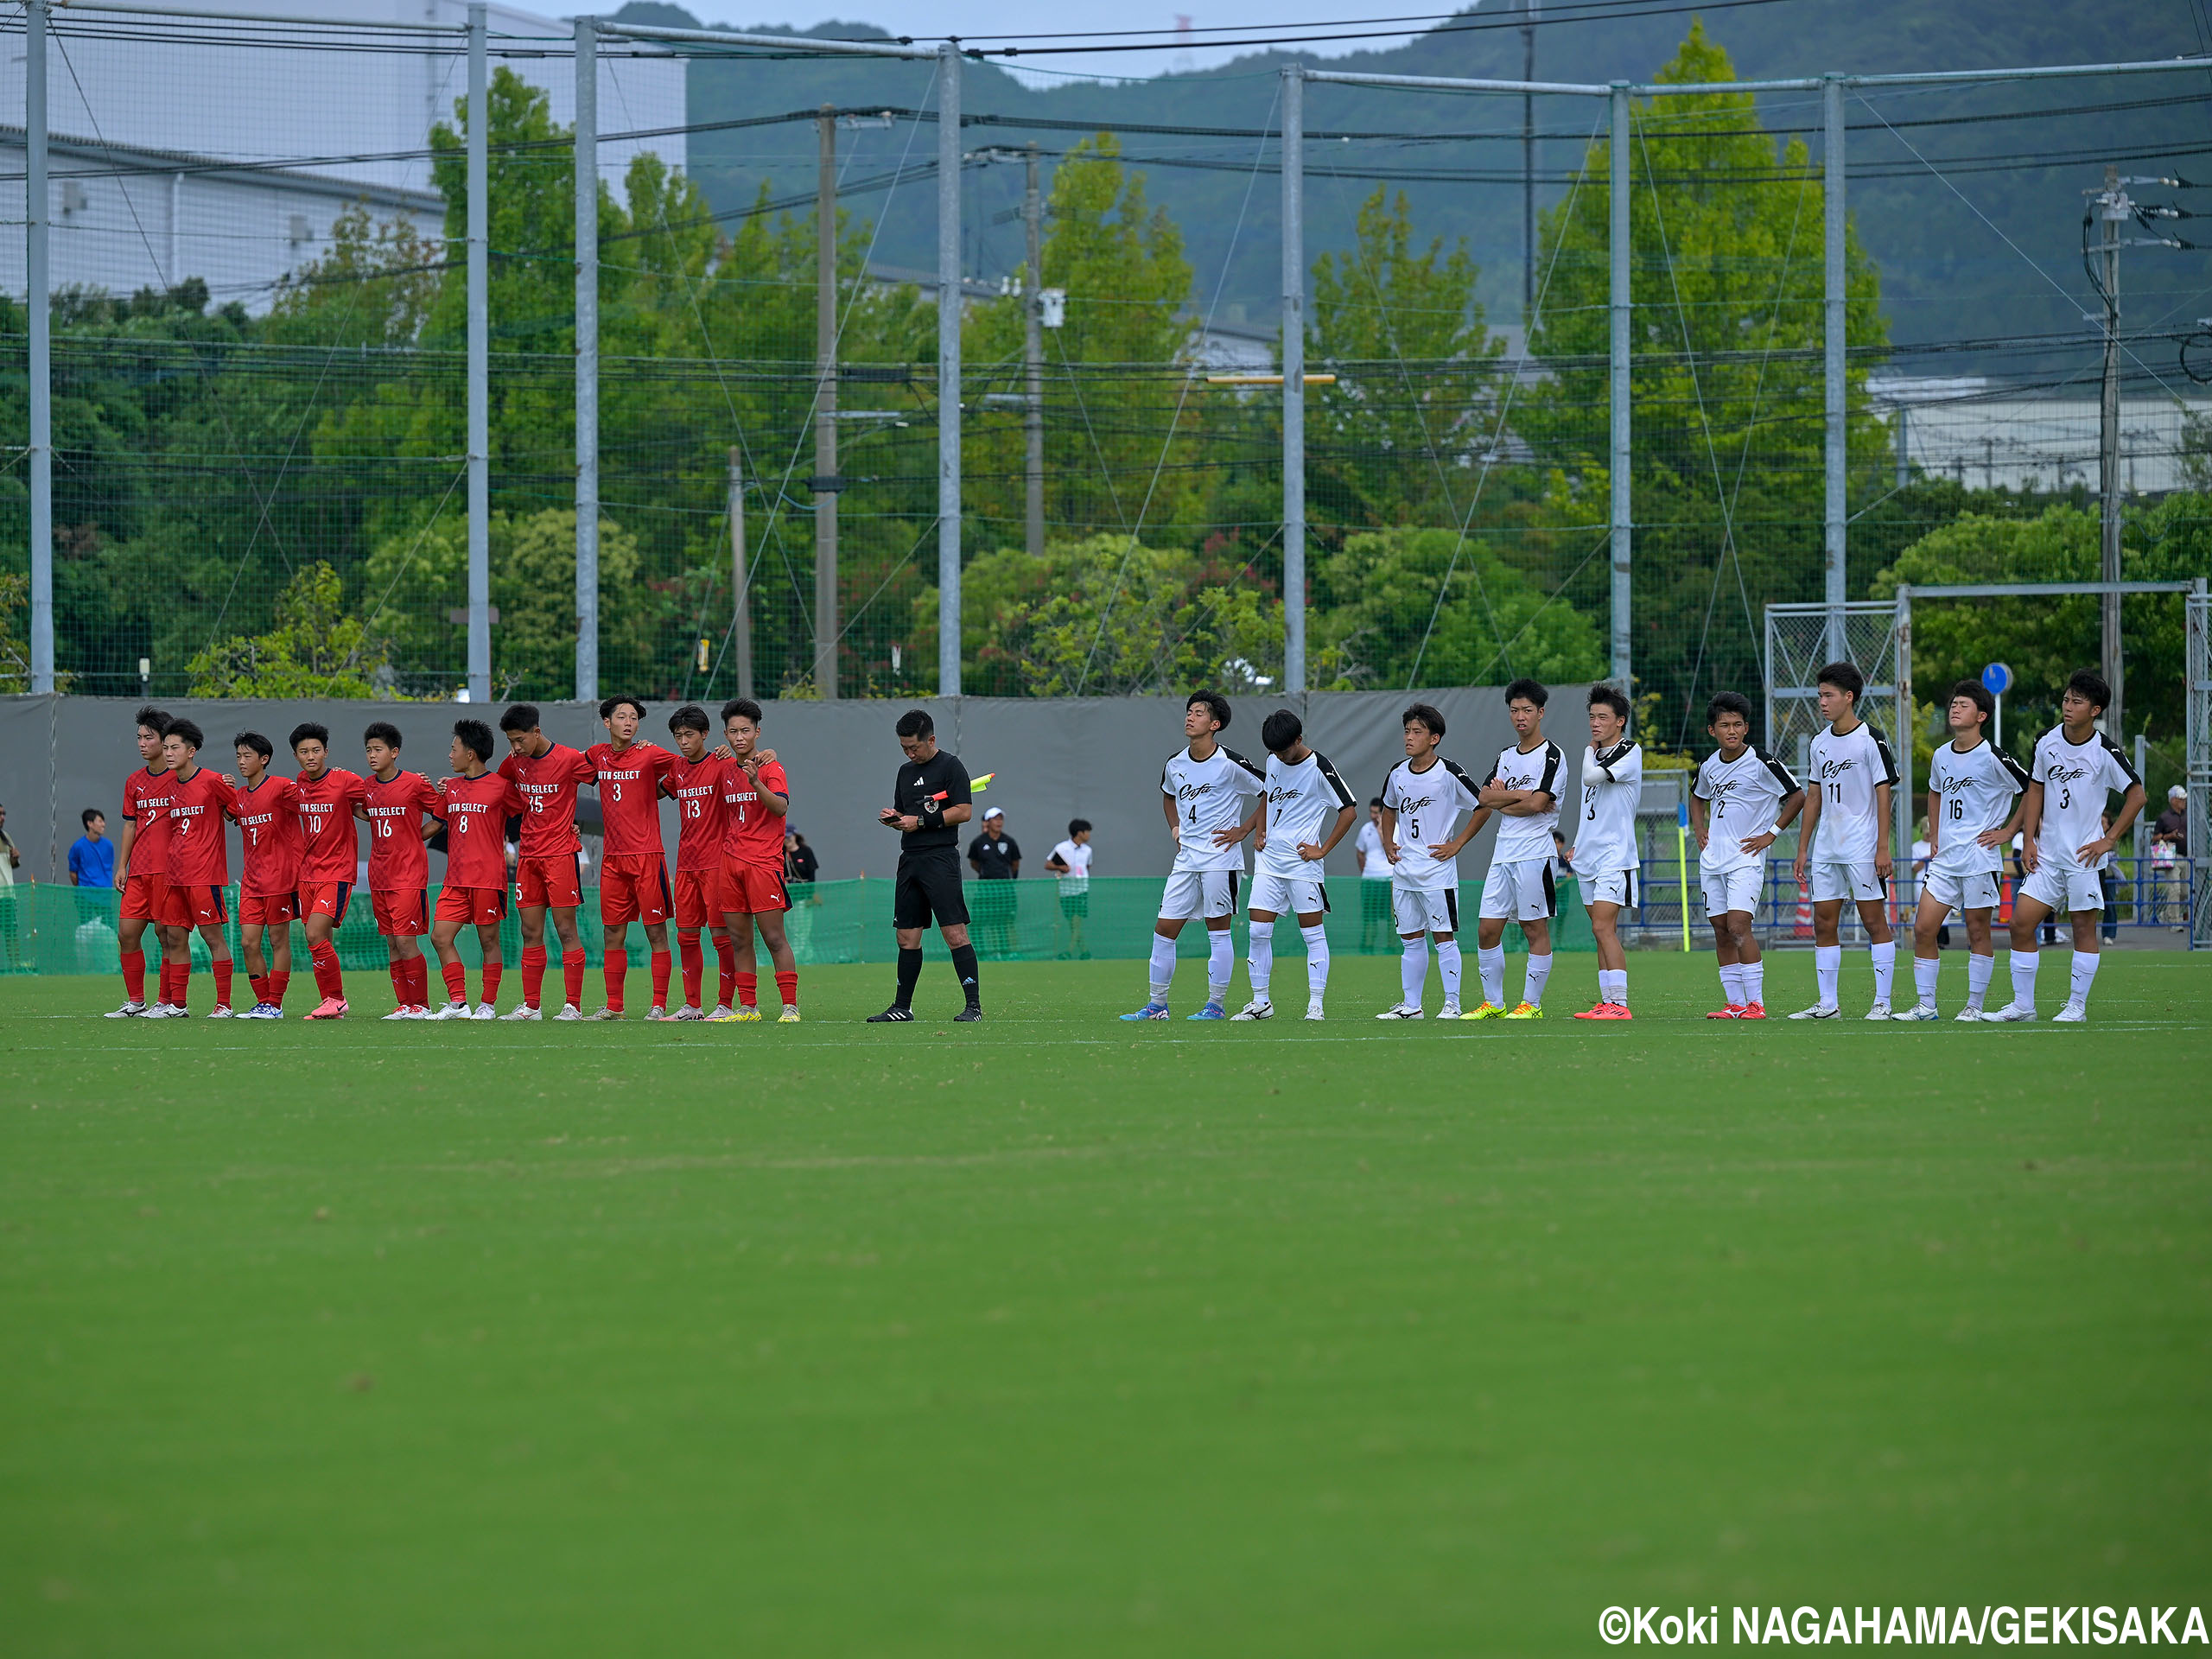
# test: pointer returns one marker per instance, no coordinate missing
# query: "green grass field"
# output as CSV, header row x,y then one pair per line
x,y
1054,1336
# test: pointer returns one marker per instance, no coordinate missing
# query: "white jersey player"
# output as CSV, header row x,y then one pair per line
x,y
1843,850
1422,801
1204,791
1522,790
1972,789
2066,842
1743,799
1308,812
1604,852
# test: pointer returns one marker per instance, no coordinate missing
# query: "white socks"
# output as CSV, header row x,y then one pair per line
x,y
1885,967
1532,987
2085,974
1828,963
1448,965
1754,974
1261,960
1732,983
1925,972
1221,963
2024,978
1163,966
1613,986
1317,960
1413,970
1979,968
1490,964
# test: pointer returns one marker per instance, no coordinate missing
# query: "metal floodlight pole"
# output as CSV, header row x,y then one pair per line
x,y
948,371
38,207
587,183
1294,379
1621,297
480,399
1833,321
825,404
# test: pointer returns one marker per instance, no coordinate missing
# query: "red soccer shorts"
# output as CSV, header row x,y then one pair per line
x,y
548,883
753,888
268,909
326,899
400,915
633,888
176,907
143,897
195,906
700,897
485,906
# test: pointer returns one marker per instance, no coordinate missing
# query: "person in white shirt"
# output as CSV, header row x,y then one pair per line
x,y
1373,879
2065,841
1423,798
1303,791
1603,855
1522,790
1844,849
1752,798
1203,790
1970,790
1070,861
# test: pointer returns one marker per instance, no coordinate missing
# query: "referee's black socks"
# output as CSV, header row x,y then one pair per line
x,y
910,974
963,963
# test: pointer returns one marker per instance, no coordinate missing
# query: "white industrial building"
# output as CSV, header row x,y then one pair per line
x,y
225,149
1988,437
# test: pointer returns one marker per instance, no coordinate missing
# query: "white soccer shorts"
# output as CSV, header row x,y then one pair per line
x,y
1853,881
1972,890
1425,910
1519,892
1210,894
1732,889
1608,888
1286,895
2064,890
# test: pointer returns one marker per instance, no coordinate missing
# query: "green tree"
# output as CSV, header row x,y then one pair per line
x,y
315,649
15,653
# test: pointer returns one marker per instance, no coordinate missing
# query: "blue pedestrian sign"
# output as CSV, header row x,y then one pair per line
x,y
1997,679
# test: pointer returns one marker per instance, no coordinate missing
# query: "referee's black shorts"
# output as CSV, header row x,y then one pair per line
x,y
928,890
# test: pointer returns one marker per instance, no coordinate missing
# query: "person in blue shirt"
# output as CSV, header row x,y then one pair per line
x,y
92,856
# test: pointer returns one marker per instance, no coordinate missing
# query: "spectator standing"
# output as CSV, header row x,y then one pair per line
x,y
2170,856
1377,931
92,856
995,857
1070,861
800,865
801,870
11,862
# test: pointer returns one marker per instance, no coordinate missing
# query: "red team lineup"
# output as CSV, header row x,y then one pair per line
x,y
301,841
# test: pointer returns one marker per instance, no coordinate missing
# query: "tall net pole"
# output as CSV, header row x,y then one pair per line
x,y
948,371
2112,211
1620,298
825,404
42,350
480,368
587,183
1834,429
1033,352
1294,379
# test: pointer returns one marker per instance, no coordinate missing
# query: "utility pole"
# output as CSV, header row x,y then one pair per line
x,y
2113,209
1528,163
825,408
1033,348
740,597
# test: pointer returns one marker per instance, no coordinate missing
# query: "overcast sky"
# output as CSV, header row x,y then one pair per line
x,y
973,18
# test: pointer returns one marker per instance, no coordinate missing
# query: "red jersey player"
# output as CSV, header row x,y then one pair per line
x,y
267,812
199,865
756,798
399,868
476,805
632,869
142,870
327,796
546,775
695,783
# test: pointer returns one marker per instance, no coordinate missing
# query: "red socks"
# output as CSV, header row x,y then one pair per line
x,y
277,982
787,987
748,989
176,983
533,973
661,966
491,970
329,978
616,968
402,983
456,978
572,977
134,974
222,965
695,966
727,953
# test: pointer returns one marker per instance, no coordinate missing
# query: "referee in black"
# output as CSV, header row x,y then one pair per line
x,y
930,799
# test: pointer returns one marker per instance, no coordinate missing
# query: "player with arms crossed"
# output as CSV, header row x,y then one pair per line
x,y
547,876
199,864
695,783
267,812
1971,816
1604,854
474,804
756,803
1303,792
1423,799
930,799
1844,849
142,871
2065,842
399,867
329,856
1202,789
1522,789
634,873
1753,799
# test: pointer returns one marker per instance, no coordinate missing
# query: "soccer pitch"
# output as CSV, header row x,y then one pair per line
x,y
1057,1336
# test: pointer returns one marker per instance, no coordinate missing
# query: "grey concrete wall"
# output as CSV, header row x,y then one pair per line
x,y
1099,758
